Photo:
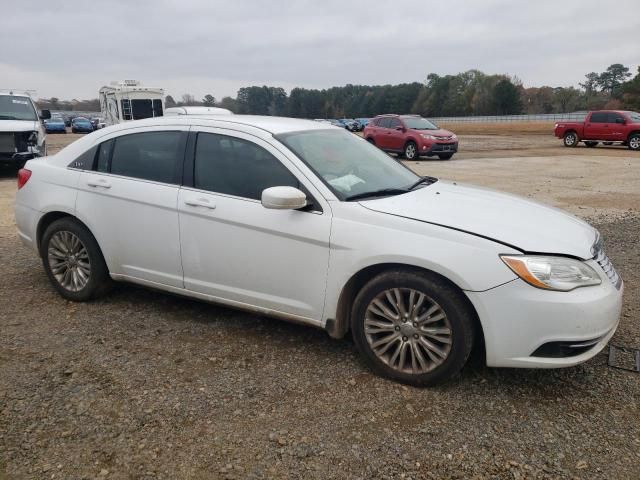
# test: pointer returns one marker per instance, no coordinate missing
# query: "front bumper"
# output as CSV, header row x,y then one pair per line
x,y
528,327
438,148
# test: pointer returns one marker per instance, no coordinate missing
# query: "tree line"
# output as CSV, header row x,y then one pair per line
x,y
468,93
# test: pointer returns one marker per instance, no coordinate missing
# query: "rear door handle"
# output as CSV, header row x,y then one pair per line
x,y
199,202
99,183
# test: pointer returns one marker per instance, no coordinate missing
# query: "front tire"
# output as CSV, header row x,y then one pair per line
x,y
73,261
410,151
412,327
570,139
634,142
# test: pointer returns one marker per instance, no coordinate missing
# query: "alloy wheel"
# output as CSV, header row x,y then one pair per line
x,y
69,260
408,331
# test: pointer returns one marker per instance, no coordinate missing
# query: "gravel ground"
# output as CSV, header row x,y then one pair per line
x,y
144,385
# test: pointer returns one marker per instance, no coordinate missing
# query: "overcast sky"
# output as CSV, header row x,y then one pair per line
x,y
69,49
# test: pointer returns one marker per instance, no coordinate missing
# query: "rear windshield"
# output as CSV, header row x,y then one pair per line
x,y
13,107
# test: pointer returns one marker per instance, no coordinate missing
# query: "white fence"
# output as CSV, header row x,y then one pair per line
x,y
551,117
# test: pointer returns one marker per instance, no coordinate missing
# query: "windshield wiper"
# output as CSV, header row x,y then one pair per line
x,y
425,180
377,193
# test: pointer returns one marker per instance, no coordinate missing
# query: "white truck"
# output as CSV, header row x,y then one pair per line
x,y
130,100
22,134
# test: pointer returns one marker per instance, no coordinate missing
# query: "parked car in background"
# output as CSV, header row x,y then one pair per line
x,y
350,124
333,233
606,126
55,125
411,137
22,134
81,125
97,123
363,122
336,122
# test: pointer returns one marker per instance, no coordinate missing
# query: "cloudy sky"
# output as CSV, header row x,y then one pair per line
x,y
69,49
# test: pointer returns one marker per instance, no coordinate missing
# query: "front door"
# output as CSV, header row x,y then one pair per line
x,y
236,250
597,128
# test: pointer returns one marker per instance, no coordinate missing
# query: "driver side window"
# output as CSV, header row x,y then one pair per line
x,y
234,166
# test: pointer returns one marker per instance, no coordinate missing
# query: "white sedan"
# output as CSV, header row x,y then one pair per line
x,y
307,222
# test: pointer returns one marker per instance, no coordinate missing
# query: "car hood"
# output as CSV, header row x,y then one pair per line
x,y
508,219
18,126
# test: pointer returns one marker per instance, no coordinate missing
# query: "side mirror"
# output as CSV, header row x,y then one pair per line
x,y
283,198
620,120
45,114
400,128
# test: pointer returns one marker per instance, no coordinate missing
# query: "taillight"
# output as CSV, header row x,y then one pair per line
x,y
23,177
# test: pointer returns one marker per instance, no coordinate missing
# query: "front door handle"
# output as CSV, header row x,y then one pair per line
x,y
102,183
199,202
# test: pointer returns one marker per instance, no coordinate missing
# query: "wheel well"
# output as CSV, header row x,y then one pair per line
x,y
338,327
634,132
47,220
570,131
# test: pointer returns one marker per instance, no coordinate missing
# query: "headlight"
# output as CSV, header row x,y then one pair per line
x,y
552,273
32,139
428,137
454,137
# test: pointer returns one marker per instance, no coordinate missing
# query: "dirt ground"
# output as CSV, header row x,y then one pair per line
x,y
143,385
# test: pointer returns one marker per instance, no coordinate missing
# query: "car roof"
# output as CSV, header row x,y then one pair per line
x,y
271,125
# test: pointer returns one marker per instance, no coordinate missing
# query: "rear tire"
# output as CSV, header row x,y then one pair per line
x,y
634,142
570,139
410,151
412,327
445,156
591,144
73,261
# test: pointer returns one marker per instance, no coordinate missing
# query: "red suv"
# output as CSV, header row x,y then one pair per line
x,y
410,136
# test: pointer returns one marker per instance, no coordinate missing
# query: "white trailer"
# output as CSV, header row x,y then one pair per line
x,y
129,100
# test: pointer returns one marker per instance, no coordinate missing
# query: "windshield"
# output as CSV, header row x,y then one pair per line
x,y
16,108
348,164
635,116
417,123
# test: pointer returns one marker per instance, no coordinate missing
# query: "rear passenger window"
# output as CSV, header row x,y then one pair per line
x,y
384,122
104,155
85,161
600,117
150,155
616,118
237,167
393,123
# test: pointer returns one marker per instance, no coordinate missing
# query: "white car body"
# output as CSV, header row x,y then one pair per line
x,y
300,265
10,127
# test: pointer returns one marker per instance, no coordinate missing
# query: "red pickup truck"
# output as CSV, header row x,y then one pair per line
x,y
606,126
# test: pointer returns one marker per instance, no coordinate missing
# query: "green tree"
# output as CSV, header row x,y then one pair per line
x,y
506,98
611,80
209,100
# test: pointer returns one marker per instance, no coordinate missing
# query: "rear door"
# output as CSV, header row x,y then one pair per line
x,y
597,127
128,199
395,137
616,126
382,137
